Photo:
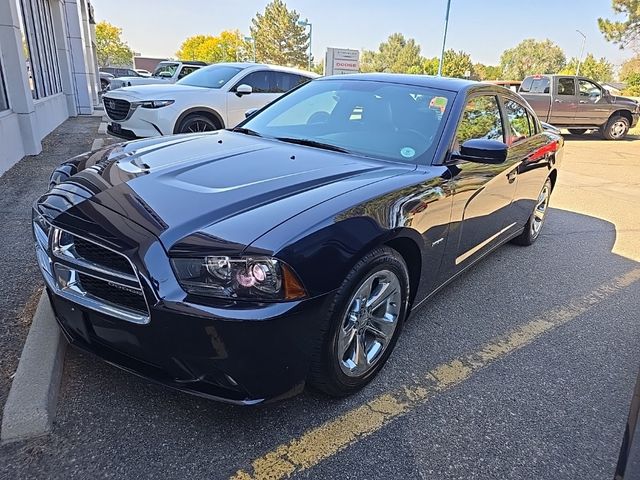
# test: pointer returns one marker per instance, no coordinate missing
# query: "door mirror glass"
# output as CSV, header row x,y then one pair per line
x,y
243,89
481,150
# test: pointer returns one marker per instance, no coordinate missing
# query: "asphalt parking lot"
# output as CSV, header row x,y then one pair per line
x,y
523,368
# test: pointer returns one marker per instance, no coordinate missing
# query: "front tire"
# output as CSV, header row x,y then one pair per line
x,y
363,325
534,225
197,123
616,128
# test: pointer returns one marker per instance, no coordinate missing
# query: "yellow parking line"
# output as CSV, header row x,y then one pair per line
x,y
335,435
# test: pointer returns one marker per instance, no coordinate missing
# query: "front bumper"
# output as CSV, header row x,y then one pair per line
x,y
238,352
143,122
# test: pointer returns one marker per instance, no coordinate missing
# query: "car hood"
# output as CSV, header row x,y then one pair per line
x,y
154,92
190,184
623,101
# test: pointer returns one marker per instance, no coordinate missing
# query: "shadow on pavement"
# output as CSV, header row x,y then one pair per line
x,y
113,424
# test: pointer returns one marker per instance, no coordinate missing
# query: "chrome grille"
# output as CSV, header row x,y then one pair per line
x,y
117,109
89,274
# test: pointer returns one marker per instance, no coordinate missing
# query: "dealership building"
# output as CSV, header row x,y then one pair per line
x,y
48,71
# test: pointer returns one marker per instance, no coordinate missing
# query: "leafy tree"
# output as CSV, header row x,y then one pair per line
x,y
487,72
455,64
530,57
279,39
629,68
111,50
622,33
599,70
229,46
396,55
633,85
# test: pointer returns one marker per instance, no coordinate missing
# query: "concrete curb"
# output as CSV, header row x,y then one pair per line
x,y
31,404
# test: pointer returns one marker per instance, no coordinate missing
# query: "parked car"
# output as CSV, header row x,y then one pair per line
x,y
211,98
105,81
241,264
580,104
165,73
120,71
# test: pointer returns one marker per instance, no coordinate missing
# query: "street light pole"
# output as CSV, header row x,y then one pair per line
x,y
305,23
584,40
444,38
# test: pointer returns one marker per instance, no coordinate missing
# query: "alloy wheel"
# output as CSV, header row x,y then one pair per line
x,y
540,211
198,126
369,323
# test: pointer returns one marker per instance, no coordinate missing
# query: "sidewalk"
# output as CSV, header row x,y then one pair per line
x,y
20,282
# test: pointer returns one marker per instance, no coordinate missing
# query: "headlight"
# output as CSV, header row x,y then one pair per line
x,y
247,278
154,103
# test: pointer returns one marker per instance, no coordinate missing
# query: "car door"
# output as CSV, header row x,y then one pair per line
x,y
565,101
592,108
529,150
264,86
482,193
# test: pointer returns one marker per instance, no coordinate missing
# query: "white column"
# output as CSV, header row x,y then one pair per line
x,y
82,77
91,70
64,55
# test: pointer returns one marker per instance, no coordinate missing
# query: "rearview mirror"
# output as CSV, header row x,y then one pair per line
x,y
250,112
480,150
243,89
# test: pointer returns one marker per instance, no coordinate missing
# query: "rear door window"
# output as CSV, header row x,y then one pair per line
x,y
566,86
519,124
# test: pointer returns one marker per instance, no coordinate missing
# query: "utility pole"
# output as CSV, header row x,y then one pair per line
x,y
584,40
444,38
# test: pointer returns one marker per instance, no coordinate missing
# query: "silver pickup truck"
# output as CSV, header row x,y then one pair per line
x,y
579,104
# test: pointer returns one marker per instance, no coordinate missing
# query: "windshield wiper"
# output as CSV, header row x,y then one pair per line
x,y
313,143
246,131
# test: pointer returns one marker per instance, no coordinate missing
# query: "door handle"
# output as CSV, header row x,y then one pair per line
x,y
557,101
583,101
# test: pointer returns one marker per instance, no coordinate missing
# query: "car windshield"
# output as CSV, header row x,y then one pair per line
x,y
215,76
165,69
384,120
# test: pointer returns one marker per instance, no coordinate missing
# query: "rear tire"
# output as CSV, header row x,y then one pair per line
x,y
536,221
577,131
616,128
359,333
197,123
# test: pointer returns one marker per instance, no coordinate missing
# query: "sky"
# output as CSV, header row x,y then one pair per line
x,y
156,28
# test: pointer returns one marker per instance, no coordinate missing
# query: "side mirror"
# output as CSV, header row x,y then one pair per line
x,y
243,89
250,112
480,150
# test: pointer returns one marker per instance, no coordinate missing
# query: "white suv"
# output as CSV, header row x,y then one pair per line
x,y
211,98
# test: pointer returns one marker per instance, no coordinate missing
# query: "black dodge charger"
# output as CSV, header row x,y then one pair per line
x,y
243,264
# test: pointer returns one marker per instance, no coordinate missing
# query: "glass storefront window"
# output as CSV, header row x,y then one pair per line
x,y
40,53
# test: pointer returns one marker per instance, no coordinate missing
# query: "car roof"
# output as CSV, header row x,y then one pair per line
x,y
244,65
442,83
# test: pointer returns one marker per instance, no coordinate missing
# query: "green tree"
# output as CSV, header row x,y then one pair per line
x,y
598,69
487,72
622,33
229,46
396,55
633,85
279,39
455,64
630,67
532,56
111,50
